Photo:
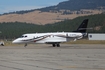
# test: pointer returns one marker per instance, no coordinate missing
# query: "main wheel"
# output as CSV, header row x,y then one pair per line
x,y
58,45
53,45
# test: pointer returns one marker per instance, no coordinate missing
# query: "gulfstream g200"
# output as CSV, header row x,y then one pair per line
x,y
53,38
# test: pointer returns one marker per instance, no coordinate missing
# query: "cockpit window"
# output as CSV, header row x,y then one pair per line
x,y
23,36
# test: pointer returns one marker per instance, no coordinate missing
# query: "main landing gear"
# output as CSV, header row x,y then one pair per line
x,y
54,45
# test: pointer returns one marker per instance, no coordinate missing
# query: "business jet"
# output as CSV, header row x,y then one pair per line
x,y
53,38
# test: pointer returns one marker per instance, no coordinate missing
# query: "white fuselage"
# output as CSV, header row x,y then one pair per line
x,y
48,38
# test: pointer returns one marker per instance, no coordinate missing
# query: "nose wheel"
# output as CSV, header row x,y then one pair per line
x,y
25,45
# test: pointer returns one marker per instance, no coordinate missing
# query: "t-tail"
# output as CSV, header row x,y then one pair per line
x,y
83,27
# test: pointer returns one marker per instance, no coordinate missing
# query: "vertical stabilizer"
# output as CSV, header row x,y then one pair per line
x,y
83,27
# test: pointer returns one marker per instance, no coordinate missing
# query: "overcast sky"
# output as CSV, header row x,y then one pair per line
x,y
17,5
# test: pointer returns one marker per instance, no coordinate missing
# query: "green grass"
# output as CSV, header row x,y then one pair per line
x,y
87,42
9,43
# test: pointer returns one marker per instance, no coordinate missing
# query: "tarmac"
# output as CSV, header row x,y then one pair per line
x,y
45,57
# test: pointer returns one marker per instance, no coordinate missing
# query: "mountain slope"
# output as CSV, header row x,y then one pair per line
x,y
77,5
72,5
65,10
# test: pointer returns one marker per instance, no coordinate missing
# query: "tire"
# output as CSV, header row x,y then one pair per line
x,y
58,45
53,45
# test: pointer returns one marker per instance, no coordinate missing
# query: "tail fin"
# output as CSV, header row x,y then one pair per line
x,y
83,27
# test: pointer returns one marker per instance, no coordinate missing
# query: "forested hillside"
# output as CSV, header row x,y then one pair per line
x,y
69,5
77,5
12,30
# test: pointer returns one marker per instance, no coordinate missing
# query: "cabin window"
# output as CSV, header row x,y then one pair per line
x,y
67,35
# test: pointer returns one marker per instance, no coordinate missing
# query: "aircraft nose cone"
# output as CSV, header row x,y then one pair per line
x,y
15,42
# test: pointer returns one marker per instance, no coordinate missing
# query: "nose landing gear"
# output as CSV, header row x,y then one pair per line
x,y
25,45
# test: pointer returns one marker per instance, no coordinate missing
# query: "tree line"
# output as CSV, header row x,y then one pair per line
x,y
11,30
